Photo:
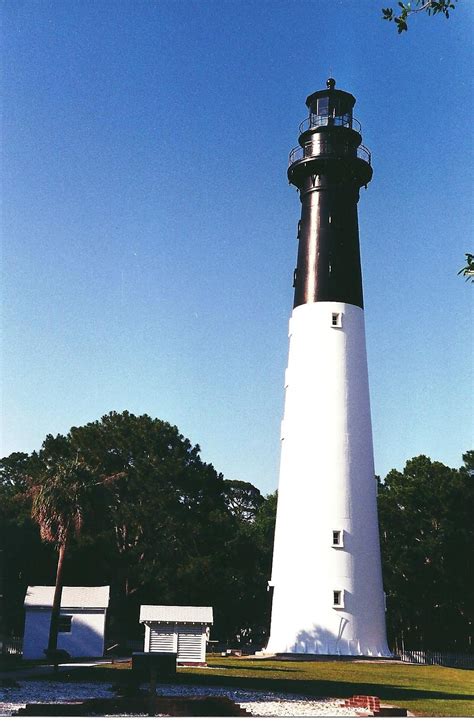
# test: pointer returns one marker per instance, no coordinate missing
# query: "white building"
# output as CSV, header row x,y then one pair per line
x,y
81,621
183,630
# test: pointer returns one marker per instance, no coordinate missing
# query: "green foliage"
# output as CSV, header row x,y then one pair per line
x,y
242,499
468,270
427,549
159,525
26,558
163,514
59,497
430,7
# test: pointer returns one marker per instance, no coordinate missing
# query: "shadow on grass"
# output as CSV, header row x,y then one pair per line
x,y
314,688
326,688
253,667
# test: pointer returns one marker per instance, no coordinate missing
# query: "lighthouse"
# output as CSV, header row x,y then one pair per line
x,y
326,578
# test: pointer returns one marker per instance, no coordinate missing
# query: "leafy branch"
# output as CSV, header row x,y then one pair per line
x,y
431,7
468,270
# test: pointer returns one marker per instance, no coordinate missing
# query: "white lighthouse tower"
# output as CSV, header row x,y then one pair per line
x,y
327,582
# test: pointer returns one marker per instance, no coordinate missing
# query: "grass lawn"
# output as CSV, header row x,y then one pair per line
x,y
424,690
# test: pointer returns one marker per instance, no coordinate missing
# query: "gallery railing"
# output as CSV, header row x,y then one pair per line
x,y
328,149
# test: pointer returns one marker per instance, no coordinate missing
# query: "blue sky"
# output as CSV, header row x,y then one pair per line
x,y
150,232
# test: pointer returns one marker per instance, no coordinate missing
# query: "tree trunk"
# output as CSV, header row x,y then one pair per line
x,y
55,611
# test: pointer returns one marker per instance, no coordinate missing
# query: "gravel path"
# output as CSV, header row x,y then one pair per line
x,y
22,692
264,703
258,703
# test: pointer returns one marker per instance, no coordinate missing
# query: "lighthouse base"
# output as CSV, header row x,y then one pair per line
x,y
295,656
328,595
327,648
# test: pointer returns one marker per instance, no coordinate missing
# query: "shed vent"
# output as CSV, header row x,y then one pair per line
x,y
189,646
162,639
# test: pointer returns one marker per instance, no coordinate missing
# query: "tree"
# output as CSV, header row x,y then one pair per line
x,y
26,559
167,515
242,499
427,551
247,570
468,270
59,499
429,7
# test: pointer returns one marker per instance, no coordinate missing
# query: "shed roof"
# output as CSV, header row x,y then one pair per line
x,y
72,596
174,614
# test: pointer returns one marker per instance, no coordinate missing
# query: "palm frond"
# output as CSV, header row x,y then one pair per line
x,y
58,500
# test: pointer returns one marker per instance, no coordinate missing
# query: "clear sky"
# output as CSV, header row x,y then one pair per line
x,y
150,232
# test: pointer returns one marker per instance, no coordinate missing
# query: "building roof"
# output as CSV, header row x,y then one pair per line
x,y
174,614
72,596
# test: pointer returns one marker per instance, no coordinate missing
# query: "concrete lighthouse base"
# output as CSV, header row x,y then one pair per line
x,y
327,583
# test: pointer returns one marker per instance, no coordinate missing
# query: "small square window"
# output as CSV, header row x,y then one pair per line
x,y
336,320
338,599
64,624
337,539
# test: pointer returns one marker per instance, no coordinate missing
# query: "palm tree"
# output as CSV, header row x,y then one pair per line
x,y
59,499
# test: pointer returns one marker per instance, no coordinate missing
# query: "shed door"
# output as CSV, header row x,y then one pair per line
x,y
162,638
190,645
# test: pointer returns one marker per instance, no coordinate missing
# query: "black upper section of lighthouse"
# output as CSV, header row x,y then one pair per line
x,y
328,167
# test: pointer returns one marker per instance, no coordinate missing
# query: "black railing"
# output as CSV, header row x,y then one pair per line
x,y
327,149
437,658
318,121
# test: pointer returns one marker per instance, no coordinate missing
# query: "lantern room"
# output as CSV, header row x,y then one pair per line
x,y
330,107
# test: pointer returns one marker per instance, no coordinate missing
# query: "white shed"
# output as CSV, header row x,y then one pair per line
x,y
81,621
183,630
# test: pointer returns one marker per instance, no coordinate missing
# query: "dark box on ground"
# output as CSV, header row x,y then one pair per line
x,y
161,664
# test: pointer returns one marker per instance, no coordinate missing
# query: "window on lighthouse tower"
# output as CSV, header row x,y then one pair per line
x,y
338,599
336,320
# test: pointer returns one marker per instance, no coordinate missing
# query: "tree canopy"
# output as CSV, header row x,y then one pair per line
x,y
58,499
169,529
427,541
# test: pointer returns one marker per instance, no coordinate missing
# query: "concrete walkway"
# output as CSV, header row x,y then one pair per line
x,y
22,672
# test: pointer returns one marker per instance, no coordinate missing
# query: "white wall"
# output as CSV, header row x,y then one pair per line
x,y
327,483
85,639
35,637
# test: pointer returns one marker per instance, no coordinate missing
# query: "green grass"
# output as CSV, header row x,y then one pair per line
x,y
424,690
